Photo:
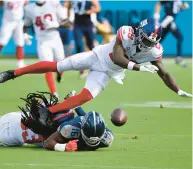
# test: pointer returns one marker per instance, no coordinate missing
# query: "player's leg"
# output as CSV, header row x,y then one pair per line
x,y
92,88
19,42
45,53
89,35
178,35
6,32
79,43
166,26
79,61
59,54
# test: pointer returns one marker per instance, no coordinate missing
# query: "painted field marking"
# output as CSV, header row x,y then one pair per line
x,y
75,166
167,104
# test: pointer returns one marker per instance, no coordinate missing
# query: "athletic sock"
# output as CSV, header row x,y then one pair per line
x,y
39,67
50,81
72,102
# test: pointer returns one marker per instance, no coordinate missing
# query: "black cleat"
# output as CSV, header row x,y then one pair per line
x,y
59,77
7,75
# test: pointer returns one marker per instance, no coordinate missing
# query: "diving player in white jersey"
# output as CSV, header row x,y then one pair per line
x,y
131,47
12,25
46,17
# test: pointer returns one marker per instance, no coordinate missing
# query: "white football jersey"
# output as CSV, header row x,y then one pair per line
x,y
36,15
13,9
127,36
19,134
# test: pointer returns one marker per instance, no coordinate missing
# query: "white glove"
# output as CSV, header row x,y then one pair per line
x,y
48,24
28,39
148,68
184,94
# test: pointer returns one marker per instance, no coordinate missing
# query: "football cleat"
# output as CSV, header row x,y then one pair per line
x,y
72,93
7,75
59,77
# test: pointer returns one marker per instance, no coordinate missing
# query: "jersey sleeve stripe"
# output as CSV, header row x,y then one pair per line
x,y
120,34
159,57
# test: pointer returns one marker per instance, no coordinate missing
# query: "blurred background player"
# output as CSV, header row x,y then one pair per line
x,y
103,29
172,8
46,17
83,26
12,25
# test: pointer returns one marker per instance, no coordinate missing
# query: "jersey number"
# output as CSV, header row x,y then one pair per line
x,y
26,136
39,22
75,133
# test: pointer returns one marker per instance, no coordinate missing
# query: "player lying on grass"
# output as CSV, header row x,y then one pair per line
x,y
84,132
14,133
132,46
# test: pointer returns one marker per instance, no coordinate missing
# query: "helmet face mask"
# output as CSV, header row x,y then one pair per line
x,y
148,34
40,2
92,129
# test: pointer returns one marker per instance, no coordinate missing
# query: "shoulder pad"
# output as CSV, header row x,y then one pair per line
x,y
125,33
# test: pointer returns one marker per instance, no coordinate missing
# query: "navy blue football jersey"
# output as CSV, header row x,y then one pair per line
x,y
172,7
80,8
71,130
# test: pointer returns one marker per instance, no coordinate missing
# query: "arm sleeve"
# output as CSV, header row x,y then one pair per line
x,y
80,111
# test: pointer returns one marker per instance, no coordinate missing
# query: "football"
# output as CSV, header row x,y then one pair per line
x,y
118,117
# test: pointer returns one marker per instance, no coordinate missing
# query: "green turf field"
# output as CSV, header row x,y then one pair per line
x,y
153,138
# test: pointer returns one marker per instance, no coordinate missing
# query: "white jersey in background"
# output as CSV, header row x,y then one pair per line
x,y
49,46
13,10
12,22
14,133
37,15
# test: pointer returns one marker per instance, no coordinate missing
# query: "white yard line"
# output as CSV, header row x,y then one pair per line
x,y
167,104
76,166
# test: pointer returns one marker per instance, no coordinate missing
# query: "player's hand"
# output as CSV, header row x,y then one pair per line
x,y
185,5
148,68
71,146
48,24
184,94
28,39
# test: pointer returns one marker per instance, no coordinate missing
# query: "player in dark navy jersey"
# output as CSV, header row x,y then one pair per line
x,y
172,9
86,132
83,27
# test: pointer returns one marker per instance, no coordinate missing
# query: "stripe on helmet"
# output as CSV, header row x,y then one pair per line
x,y
94,117
156,28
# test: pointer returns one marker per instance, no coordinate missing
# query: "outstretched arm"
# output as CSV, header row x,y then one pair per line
x,y
56,142
168,79
118,57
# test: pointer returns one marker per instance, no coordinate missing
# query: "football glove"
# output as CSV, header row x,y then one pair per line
x,y
28,39
148,68
71,146
184,94
48,24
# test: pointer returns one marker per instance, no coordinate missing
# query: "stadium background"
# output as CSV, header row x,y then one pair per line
x,y
116,12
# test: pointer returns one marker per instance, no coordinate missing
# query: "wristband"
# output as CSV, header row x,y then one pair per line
x,y
156,16
60,147
130,65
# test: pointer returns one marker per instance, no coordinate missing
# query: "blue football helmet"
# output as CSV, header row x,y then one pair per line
x,y
92,128
148,33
